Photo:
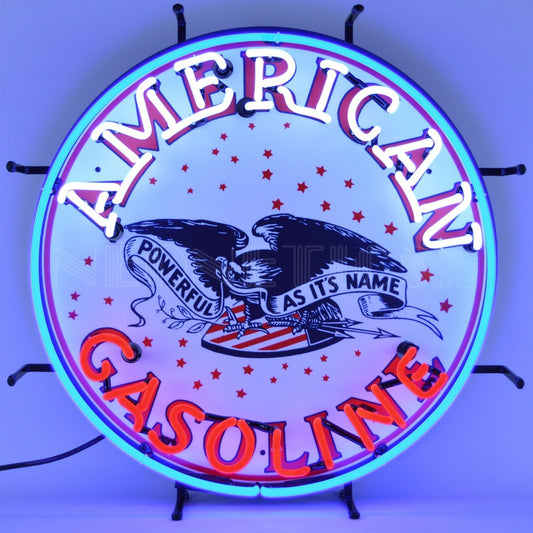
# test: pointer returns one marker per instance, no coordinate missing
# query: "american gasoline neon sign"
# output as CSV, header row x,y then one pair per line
x,y
263,262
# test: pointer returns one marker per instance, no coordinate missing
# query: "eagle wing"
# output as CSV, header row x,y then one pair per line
x,y
204,241
320,244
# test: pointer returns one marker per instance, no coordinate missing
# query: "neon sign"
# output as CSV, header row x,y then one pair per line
x,y
263,262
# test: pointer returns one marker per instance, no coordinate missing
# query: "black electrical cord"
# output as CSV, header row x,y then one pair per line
x,y
55,457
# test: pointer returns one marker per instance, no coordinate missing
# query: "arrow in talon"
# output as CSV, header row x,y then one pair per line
x,y
379,334
340,331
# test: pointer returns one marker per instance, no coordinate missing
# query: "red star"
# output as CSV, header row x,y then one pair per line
x,y
183,342
75,296
222,187
358,216
348,183
108,300
357,353
152,181
426,275
185,168
445,306
247,369
181,362
251,125
307,371
325,206
324,358
267,154
215,151
284,366
302,186
325,377
276,204
147,342
216,374
197,385
321,170
273,379
190,191
234,159
223,136
287,125
88,261
72,314
390,228
241,393
267,174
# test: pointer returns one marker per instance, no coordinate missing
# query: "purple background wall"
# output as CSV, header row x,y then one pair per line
x,y
474,58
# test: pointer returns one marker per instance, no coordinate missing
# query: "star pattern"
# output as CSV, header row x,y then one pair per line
x,y
325,377
222,187
153,181
74,296
287,125
108,300
284,366
241,393
326,206
273,379
357,353
190,191
223,136
181,362
251,125
197,384
358,215
302,186
216,373
348,183
267,154
247,369
426,275
215,151
276,204
234,159
445,306
147,342
73,315
267,174
324,358
183,342
390,228
307,371
88,261
321,170
185,168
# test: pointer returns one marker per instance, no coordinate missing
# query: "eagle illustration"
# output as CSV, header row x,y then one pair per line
x,y
295,251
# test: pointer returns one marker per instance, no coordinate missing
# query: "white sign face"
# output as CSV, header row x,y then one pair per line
x,y
263,262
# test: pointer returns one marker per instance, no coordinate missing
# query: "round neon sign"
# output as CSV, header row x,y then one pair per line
x,y
263,262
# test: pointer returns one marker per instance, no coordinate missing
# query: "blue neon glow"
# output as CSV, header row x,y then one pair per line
x,y
290,37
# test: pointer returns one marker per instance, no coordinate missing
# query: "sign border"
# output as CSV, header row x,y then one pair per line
x,y
276,35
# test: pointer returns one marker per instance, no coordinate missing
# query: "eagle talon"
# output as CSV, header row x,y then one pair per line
x,y
241,327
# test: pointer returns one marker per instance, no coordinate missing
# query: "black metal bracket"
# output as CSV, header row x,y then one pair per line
x,y
30,367
182,495
500,369
180,19
505,171
11,166
348,25
346,494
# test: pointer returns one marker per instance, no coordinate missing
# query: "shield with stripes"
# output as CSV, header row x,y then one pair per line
x,y
265,340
